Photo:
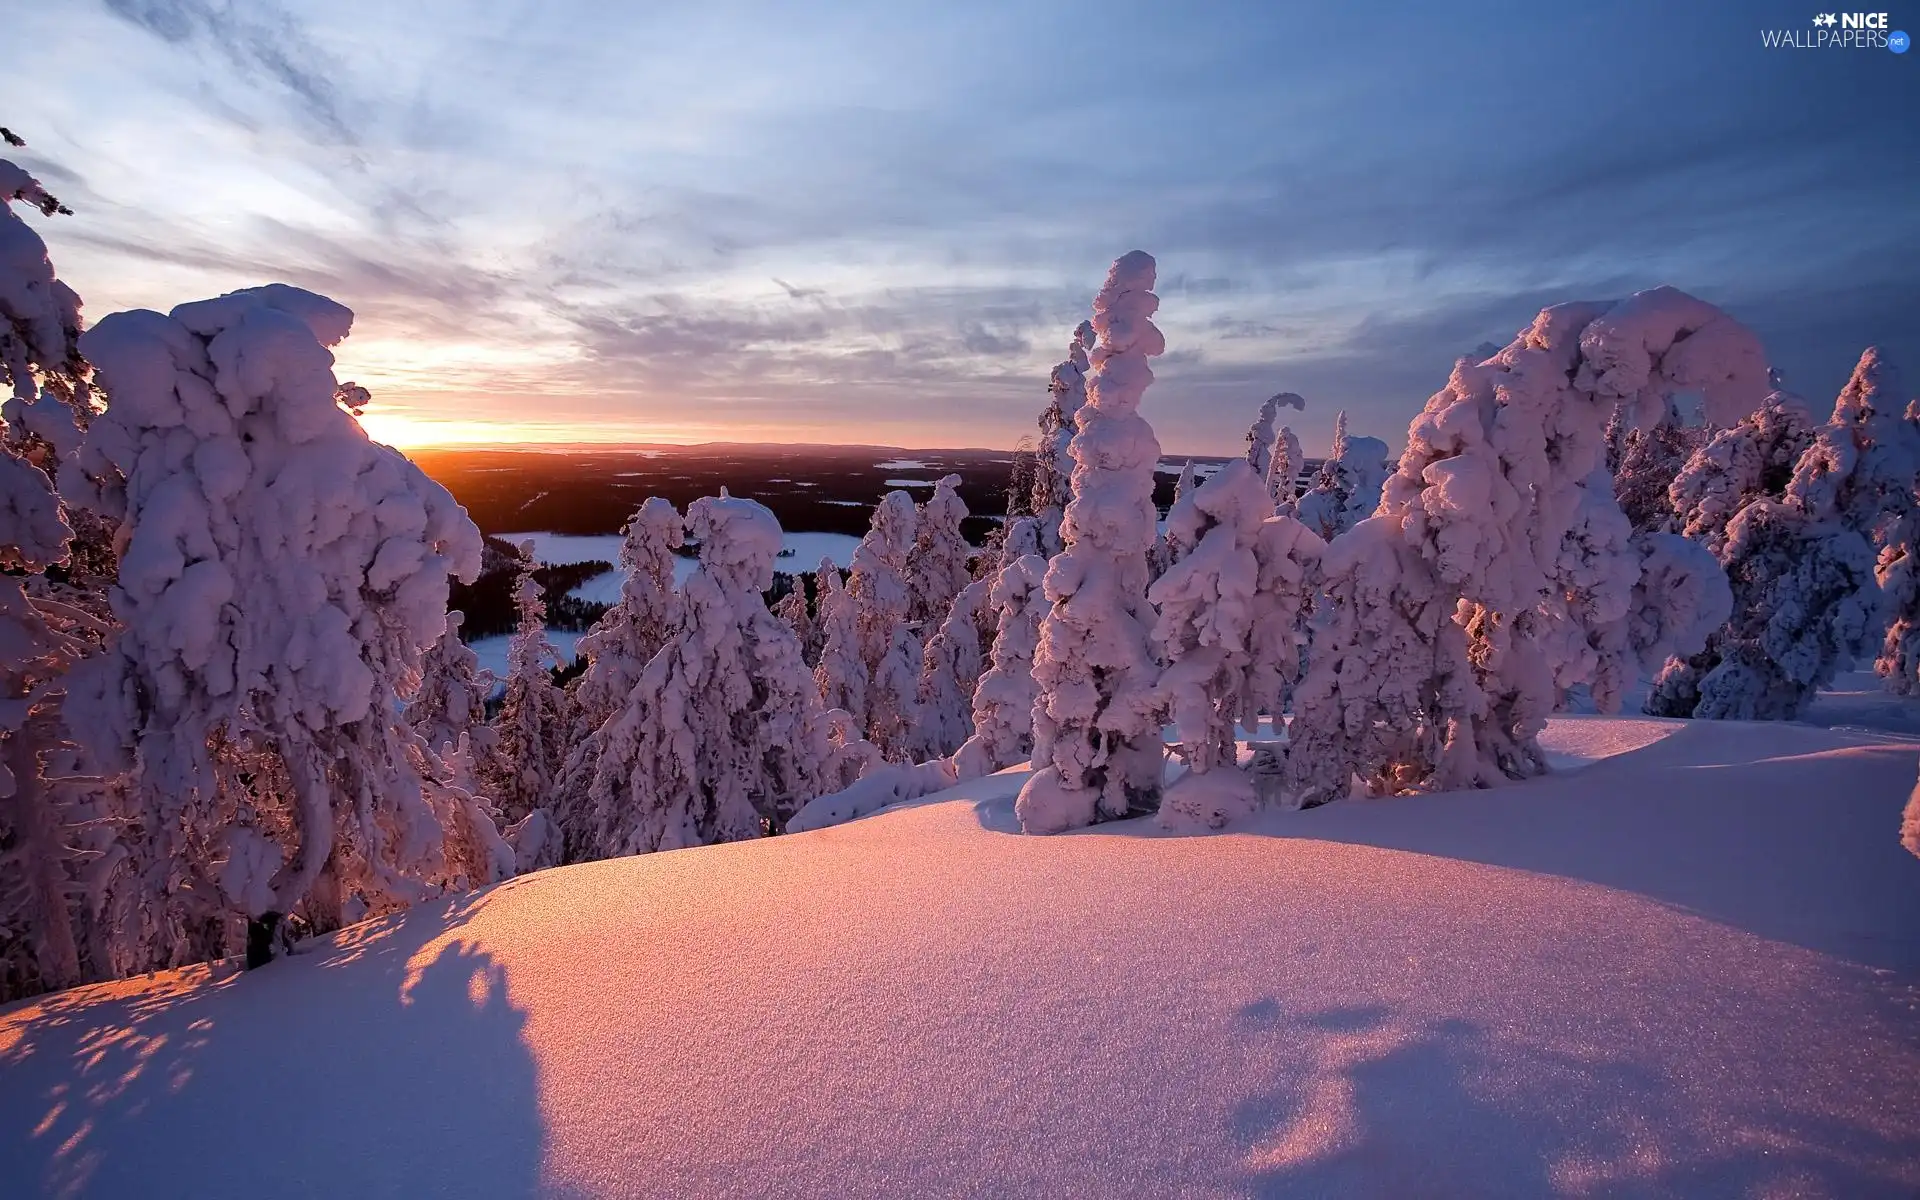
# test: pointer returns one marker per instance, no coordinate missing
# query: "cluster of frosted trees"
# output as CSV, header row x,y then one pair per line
x,y
1815,527
234,707
1411,626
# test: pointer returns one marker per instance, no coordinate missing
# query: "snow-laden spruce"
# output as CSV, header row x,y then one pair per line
x,y
1805,596
1022,538
1347,488
617,649
950,669
629,634
1167,549
1205,606
792,609
451,699
1910,822
1260,437
39,315
1287,555
840,675
73,905
1804,601
1283,470
1521,581
531,728
1753,459
1095,728
881,589
1645,463
937,566
53,890
1898,573
1365,705
1053,468
723,737
282,575
1003,700
1185,483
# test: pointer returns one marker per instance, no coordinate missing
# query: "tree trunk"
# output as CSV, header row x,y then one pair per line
x,y
38,827
262,931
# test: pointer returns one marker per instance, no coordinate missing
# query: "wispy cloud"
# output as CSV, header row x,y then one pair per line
x,y
256,38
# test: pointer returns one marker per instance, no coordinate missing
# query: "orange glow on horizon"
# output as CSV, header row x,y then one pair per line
x,y
408,432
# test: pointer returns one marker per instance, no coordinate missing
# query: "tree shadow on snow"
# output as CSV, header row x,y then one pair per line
x,y
1370,1102
378,1065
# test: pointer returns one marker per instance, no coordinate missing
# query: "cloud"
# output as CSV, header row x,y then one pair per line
x,y
587,203
260,40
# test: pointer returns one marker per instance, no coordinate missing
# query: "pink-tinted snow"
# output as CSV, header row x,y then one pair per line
x,y
1689,969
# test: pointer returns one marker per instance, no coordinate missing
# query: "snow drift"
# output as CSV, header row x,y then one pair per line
x,y
1687,970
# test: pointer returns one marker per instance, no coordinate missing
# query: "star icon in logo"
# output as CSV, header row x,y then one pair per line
x,y
1827,19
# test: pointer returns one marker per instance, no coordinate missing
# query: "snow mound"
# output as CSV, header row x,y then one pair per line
x,y
1690,969
1572,742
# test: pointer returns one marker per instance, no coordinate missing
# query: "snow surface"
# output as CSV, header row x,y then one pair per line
x,y
900,483
1691,969
901,464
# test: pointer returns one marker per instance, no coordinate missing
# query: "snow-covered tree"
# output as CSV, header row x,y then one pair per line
x,y
937,565
1804,601
1003,700
1898,573
1283,470
451,699
1287,555
1260,438
630,633
1368,703
1347,488
1095,726
949,672
723,738
1167,547
74,904
40,946
1499,566
1053,469
792,609
1023,538
39,315
618,648
841,674
881,588
1205,603
1805,596
1910,822
1751,460
281,577
1648,461
893,695
531,728
1185,483
1863,469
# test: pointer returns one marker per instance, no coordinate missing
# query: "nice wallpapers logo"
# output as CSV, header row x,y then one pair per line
x,y
1840,31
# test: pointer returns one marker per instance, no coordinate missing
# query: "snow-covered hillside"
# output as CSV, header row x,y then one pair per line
x,y
1691,968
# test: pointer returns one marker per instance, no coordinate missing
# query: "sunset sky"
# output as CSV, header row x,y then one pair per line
x,y
574,220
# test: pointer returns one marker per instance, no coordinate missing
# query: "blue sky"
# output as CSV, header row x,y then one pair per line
x,y
878,222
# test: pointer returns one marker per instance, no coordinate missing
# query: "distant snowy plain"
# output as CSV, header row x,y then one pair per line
x,y
800,552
